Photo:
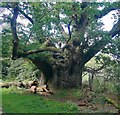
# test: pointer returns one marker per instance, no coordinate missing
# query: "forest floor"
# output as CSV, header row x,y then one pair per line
x,y
87,101
62,101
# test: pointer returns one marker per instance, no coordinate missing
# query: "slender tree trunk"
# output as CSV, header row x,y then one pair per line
x,y
91,77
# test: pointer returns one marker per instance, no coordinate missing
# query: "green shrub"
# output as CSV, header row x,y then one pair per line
x,y
5,62
72,106
22,69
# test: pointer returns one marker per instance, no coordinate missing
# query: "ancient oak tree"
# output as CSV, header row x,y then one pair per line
x,y
60,38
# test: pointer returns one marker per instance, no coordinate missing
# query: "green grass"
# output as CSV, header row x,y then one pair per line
x,y
14,101
0,97
63,93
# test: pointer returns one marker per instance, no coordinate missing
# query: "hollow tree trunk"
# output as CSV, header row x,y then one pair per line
x,y
60,77
64,78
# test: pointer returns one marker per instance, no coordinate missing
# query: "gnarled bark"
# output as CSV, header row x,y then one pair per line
x,y
67,77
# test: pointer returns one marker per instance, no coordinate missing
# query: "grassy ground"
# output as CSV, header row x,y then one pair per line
x,y
63,101
18,102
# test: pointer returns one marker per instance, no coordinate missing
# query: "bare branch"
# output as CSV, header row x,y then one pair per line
x,y
94,70
70,33
23,13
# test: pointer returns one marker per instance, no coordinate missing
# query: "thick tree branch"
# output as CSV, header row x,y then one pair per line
x,y
94,49
51,49
81,21
14,33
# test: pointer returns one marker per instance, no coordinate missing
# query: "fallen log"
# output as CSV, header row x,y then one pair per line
x,y
82,104
34,89
33,83
44,89
113,102
44,93
5,85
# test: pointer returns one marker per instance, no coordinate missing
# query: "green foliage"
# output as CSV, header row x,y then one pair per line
x,y
92,63
69,93
78,93
100,99
48,22
72,106
22,69
5,65
32,46
6,46
61,93
106,79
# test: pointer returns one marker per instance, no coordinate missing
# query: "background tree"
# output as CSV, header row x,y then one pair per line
x,y
59,55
